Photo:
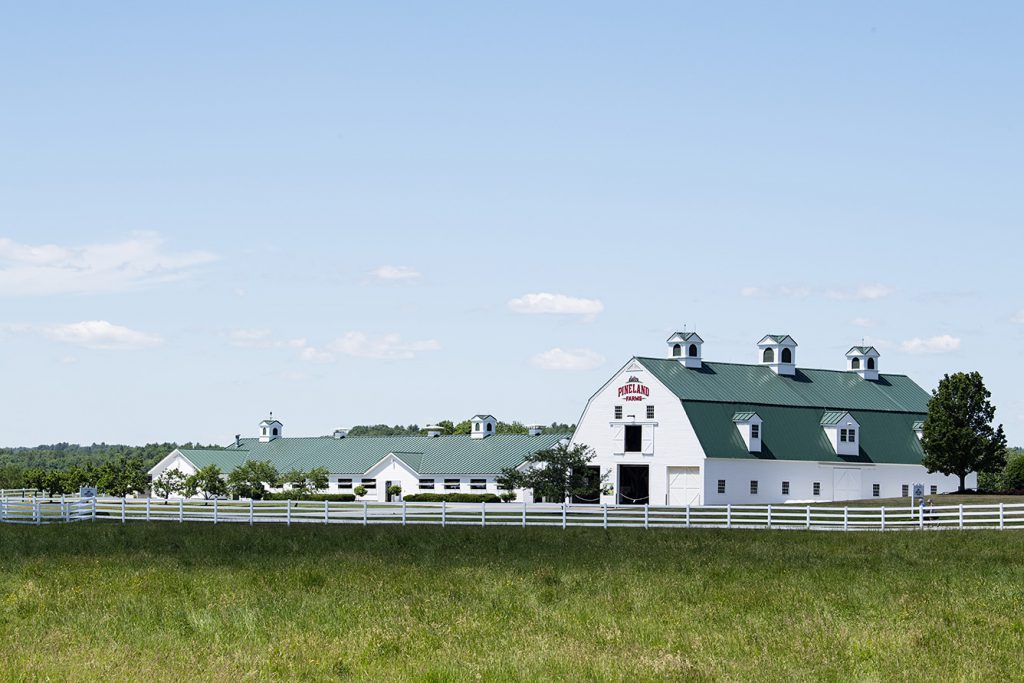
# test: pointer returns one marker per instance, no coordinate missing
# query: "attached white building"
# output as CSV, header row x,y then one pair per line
x,y
683,431
432,463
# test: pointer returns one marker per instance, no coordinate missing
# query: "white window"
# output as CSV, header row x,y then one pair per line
x,y
452,484
842,435
426,484
755,431
753,487
650,412
478,484
370,484
721,485
934,489
344,483
906,490
853,435
618,412
785,488
876,490
817,488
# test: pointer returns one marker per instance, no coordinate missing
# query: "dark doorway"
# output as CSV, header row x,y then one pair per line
x,y
634,438
388,496
593,495
634,485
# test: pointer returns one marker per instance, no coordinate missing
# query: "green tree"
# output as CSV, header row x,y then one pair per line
x,y
462,428
251,479
554,474
122,476
317,479
170,482
958,434
1013,474
359,490
206,480
514,427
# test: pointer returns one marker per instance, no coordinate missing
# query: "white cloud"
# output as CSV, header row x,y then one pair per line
x,y
100,334
385,347
261,339
940,344
311,354
863,322
868,292
561,304
27,269
572,359
395,273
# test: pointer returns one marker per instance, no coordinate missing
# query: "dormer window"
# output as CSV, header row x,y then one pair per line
x,y
749,426
270,429
841,429
864,361
685,347
778,352
483,426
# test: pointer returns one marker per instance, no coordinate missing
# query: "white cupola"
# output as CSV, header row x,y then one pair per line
x,y
686,348
749,425
434,431
778,352
843,432
340,433
864,361
271,429
482,426
535,429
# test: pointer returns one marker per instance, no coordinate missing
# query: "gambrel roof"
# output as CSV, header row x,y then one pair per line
x,y
794,408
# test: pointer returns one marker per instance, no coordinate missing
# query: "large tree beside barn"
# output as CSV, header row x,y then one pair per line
x,y
959,436
555,474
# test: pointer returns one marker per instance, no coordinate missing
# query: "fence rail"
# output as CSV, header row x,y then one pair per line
x,y
42,510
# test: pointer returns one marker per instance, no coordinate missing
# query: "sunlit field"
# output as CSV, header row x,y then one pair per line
x,y
164,601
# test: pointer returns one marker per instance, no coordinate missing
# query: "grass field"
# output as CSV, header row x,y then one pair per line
x,y
197,602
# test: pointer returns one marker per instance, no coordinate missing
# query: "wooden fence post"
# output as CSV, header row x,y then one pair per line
x,y
846,518
444,509
214,510
883,518
366,510
524,514
327,511
94,509
123,505
288,513
36,514
728,515
687,515
769,515
961,525
483,514
808,516
404,504
604,509
647,515
1001,517
563,515
252,505
148,500
181,510
920,515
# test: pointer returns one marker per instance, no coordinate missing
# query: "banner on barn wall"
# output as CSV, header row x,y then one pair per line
x,y
634,390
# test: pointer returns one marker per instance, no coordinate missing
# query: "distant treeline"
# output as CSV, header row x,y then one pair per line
x,y
449,427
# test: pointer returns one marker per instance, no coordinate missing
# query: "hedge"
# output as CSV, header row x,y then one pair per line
x,y
452,498
296,495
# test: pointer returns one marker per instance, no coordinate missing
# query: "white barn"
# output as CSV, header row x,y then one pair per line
x,y
433,463
683,431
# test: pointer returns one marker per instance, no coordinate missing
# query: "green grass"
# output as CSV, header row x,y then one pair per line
x,y
176,602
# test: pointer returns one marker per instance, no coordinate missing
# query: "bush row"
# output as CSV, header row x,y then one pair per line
x,y
452,498
299,495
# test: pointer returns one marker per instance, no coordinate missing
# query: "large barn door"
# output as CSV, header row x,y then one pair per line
x,y
846,483
684,486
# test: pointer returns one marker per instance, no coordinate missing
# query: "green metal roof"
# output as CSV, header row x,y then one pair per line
x,y
744,416
833,417
795,433
862,350
758,385
919,425
460,454
778,338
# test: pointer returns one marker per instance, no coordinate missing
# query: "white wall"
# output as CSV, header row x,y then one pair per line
x,y
801,476
669,440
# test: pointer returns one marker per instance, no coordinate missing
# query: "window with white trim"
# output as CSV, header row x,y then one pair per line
x,y
721,485
753,487
906,490
618,412
344,483
426,484
934,489
452,484
478,484
817,488
755,431
876,490
842,435
369,483
650,412
853,435
785,488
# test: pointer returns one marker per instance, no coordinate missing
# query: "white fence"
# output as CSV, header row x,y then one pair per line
x,y
38,510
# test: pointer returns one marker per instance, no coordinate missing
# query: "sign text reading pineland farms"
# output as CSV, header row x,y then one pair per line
x,y
633,390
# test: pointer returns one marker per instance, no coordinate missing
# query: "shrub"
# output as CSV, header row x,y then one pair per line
x,y
453,498
1013,475
507,496
359,490
300,495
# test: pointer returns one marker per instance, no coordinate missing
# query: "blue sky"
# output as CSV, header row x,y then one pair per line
x,y
394,212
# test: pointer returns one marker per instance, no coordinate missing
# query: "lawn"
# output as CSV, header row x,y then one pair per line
x,y
163,601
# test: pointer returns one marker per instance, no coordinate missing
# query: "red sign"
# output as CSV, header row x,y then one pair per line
x,y
634,390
